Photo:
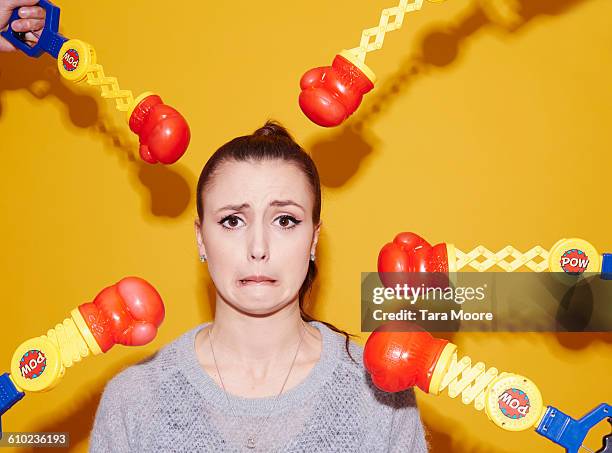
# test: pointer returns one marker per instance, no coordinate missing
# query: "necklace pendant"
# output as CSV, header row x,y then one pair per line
x,y
250,443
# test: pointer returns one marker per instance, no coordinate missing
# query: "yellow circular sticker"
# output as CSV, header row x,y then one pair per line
x,y
75,59
574,257
36,365
513,402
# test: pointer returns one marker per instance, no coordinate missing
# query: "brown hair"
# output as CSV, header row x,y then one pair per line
x,y
272,142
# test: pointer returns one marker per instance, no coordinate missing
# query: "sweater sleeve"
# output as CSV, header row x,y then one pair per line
x,y
407,432
110,431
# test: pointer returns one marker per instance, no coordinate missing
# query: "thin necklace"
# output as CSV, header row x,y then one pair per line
x,y
251,440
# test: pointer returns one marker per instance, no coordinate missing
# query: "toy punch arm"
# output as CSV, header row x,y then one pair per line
x,y
49,41
128,313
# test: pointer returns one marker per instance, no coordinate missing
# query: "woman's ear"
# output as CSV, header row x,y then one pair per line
x,y
199,239
315,238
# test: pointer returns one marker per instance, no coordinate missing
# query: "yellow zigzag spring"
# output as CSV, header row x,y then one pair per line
x,y
110,87
76,62
69,342
469,381
499,259
397,14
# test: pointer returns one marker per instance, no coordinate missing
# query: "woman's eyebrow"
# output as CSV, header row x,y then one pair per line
x,y
234,207
286,203
281,203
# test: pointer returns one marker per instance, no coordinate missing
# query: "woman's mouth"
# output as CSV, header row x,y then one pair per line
x,y
257,281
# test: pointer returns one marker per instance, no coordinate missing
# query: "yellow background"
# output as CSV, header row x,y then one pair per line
x,y
499,136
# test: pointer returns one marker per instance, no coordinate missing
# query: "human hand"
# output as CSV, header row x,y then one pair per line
x,y
31,22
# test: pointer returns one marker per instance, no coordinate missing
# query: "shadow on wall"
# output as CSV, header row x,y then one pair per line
x,y
167,187
583,311
339,155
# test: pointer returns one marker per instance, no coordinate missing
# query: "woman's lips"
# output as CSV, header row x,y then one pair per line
x,y
256,283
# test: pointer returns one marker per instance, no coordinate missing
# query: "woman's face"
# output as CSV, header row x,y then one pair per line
x,y
257,233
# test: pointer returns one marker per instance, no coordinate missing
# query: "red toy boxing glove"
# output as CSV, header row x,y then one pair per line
x,y
400,360
331,94
163,132
409,254
128,313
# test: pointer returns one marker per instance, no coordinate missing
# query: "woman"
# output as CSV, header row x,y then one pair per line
x,y
264,376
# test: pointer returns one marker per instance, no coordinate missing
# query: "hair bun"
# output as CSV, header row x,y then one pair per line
x,y
272,128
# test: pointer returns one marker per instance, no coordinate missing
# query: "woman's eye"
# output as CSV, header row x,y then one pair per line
x,y
287,221
230,222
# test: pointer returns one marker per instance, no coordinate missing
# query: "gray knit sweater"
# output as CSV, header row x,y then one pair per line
x,y
168,403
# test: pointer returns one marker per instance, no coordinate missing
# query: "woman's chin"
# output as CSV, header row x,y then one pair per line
x,y
253,309
260,304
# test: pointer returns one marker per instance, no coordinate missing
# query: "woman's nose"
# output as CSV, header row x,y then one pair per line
x,y
258,249
258,253
258,256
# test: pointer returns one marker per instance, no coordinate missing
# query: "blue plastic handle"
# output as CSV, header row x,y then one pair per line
x,y
50,40
606,266
568,432
9,395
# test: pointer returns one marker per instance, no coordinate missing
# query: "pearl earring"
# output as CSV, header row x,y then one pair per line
x,y
312,257
202,258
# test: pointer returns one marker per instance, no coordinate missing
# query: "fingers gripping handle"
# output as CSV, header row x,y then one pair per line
x,y
50,40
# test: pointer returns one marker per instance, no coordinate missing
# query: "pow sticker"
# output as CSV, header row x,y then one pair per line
x,y
574,262
70,60
32,364
514,403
